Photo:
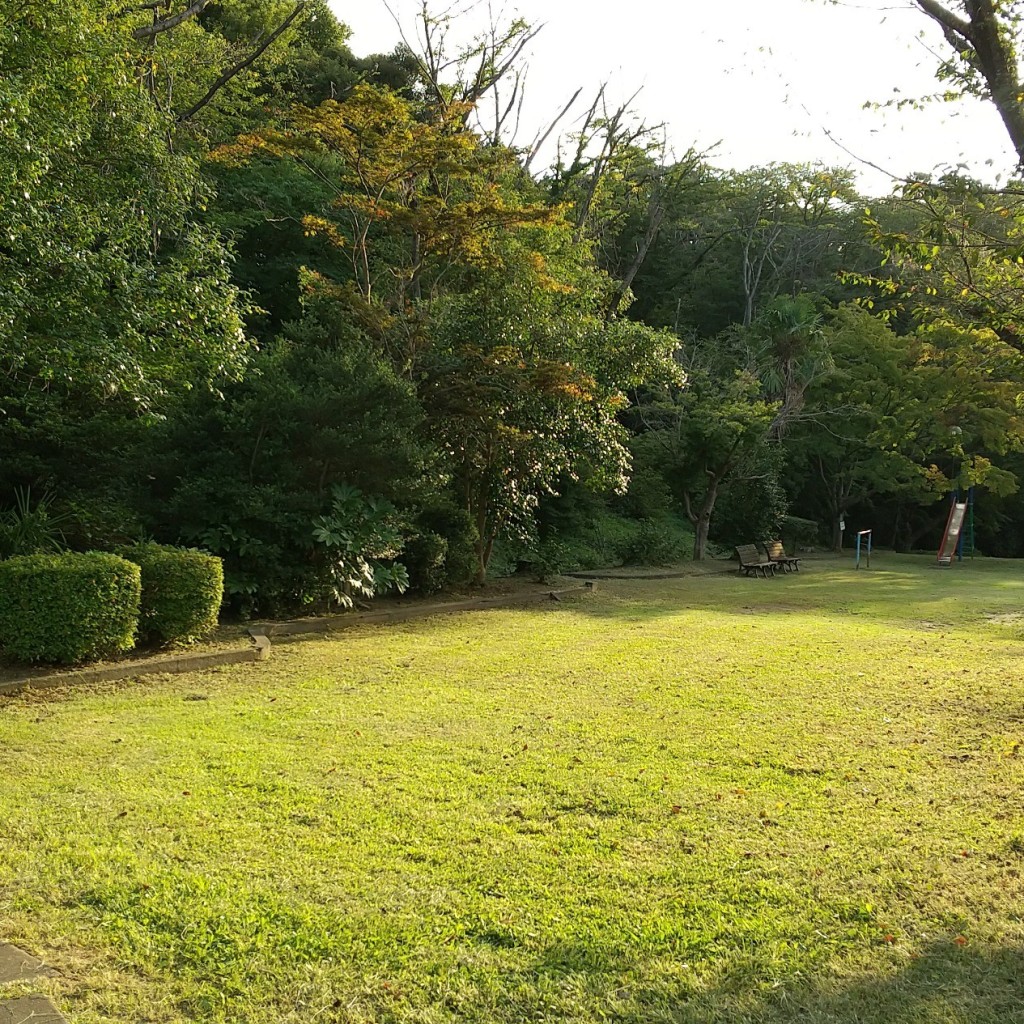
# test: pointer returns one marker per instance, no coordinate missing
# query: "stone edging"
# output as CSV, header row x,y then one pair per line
x,y
261,633
18,966
175,663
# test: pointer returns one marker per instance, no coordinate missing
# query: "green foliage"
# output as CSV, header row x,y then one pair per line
x,y
485,297
605,539
656,544
714,432
799,533
182,591
108,284
69,607
426,560
358,541
441,328
910,417
649,495
441,517
734,241
30,529
752,507
319,408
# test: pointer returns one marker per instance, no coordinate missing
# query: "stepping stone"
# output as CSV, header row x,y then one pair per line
x,y
29,1010
16,964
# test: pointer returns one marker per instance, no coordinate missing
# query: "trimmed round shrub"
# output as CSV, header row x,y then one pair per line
x,y
182,591
68,608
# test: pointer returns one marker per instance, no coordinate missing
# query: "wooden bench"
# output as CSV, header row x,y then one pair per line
x,y
753,562
777,554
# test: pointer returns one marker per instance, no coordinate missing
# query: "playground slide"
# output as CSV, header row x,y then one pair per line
x,y
954,525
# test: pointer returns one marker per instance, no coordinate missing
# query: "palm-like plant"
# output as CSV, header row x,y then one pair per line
x,y
789,350
28,529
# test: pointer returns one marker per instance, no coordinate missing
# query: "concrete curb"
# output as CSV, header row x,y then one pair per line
x,y
336,623
175,663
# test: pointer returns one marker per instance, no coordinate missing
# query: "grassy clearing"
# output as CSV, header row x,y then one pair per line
x,y
694,800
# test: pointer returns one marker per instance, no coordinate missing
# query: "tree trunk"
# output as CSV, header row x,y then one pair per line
x,y
702,521
656,218
700,540
837,533
984,46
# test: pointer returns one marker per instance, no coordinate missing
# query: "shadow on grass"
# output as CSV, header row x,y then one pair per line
x,y
905,591
942,984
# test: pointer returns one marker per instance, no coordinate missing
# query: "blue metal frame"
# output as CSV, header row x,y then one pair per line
x,y
860,534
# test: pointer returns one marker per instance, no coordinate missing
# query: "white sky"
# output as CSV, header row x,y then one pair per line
x,y
766,77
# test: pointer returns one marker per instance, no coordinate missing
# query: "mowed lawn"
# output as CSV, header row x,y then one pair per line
x,y
701,800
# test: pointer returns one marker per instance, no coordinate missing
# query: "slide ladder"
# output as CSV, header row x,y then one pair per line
x,y
954,526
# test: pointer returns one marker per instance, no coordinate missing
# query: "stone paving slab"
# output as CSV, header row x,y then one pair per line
x,y
29,1010
16,964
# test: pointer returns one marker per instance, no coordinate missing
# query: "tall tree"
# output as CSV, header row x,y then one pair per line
x,y
985,38
108,283
907,418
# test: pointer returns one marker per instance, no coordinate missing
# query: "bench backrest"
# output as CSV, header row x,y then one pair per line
x,y
775,549
749,555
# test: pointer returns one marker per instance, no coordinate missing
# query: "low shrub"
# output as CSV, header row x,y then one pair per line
x,y
182,591
656,544
426,558
68,608
455,527
799,533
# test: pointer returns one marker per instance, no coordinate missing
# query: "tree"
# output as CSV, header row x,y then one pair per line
x,y
524,387
955,251
984,37
732,242
906,418
788,349
247,474
705,436
482,296
109,286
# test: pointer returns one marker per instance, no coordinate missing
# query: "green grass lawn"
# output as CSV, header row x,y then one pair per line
x,y
696,800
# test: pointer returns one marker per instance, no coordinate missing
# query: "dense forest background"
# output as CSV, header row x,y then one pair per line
x,y
313,312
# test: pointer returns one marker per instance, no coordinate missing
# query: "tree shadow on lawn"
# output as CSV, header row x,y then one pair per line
x,y
904,595
943,984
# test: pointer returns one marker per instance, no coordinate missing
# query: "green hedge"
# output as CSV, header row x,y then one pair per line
x,y
69,607
182,591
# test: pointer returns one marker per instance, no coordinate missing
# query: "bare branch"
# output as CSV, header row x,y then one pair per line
x,y
235,69
543,136
950,24
166,24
